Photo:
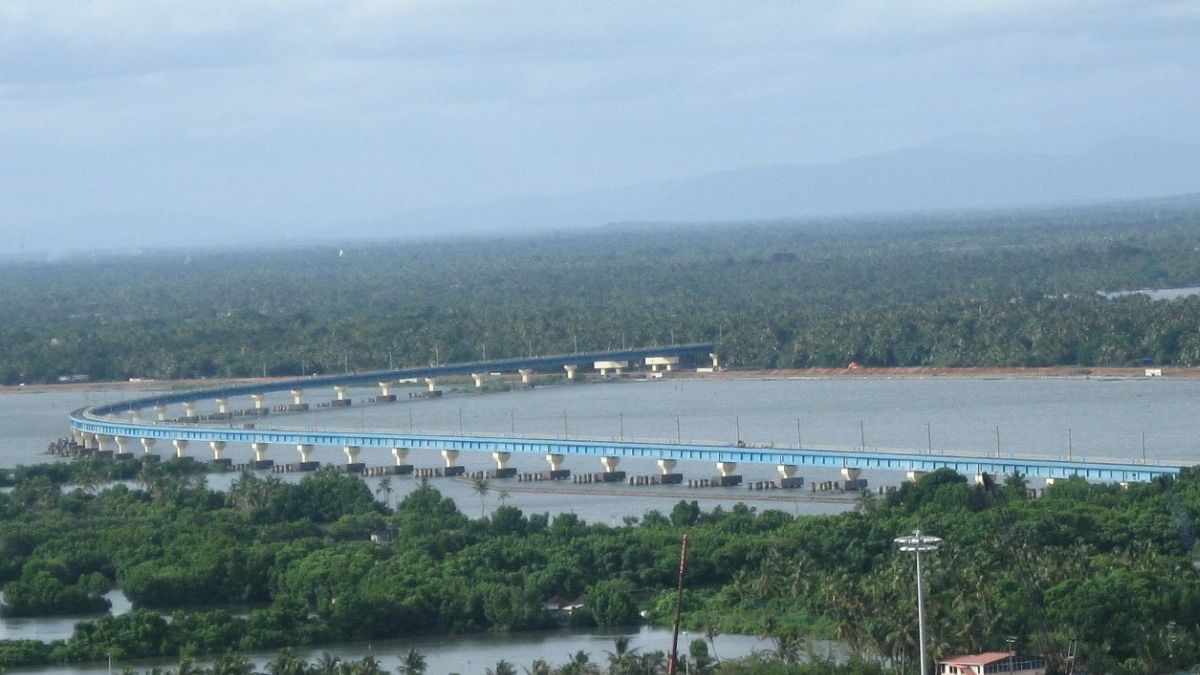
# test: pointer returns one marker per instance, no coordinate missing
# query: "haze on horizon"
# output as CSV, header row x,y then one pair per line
x,y
135,122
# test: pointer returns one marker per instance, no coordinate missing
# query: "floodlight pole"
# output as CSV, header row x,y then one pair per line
x,y
918,543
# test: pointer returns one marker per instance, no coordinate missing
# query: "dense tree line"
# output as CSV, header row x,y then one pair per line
x,y
1113,569
986,288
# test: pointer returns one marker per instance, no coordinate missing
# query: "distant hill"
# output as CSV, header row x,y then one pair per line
x,y
914,179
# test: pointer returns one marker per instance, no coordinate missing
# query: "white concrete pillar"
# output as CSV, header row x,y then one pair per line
x,y
218,448
1049,482
298,396
501,459
223,405
340,391
135,415
148,446
570,368
431,383
180,447
161,412
122,443
478,377
305,450
102,442
555,461
351,453
786,470
914,476
851,473
726,468
258,400
77,436
715,361
89,440
259,450
451,456
400,454
666,465
385,389
189,409
610,463
525,374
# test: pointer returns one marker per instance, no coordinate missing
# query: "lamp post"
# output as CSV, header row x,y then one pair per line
x,y
919,543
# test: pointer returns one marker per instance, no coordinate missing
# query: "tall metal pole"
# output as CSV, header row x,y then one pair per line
x,y
799,438
673,663
862,436
917,544
929,438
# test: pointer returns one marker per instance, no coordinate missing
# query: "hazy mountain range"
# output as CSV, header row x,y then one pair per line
x,y
914,179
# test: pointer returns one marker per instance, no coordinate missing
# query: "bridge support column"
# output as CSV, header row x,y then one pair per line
x,y
400,454
666,362
340,399
260,456
787,476
161,412
122,445
726,469
914,476
570,368
453,468
385,389
189,409
525,375
135,415
148,447
352,463
102,445
218,448
258,400
853,482
611,475
297,397
431,383
478,377
716,363
306,463
223,406
180,448
502,469
555,462
669,477
725,475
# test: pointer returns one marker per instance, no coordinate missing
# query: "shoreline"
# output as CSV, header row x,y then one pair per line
x,y
913,372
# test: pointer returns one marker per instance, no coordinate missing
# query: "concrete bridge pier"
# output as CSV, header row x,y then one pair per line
x,y
352,464
452,466
716,363
340,400
478,377
526,374
605,366
189,411
665,362
103,446
180,448
135,415
160,411
400,468
570,368
788,477
223,406
148,447
260,456
258,400
385,393
725,474
610,474
219,458
122,447
669,477
431,383
556,471
502,469
914,476
853,482
306,463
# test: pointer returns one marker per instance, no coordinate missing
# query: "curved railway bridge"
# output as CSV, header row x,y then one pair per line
x,y
117,427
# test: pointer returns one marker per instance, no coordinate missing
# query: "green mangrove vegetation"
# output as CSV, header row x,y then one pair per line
x,y
271,564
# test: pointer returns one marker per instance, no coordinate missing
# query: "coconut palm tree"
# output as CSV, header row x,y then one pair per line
x,y
385,488
502,668
481,487
412,663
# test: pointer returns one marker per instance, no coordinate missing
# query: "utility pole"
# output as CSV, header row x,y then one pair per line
x,y
919,543
673,663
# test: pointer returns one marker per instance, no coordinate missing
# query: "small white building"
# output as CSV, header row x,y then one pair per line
x,y
987,663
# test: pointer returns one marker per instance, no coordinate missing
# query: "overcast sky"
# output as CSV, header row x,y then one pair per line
x,y
248,114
